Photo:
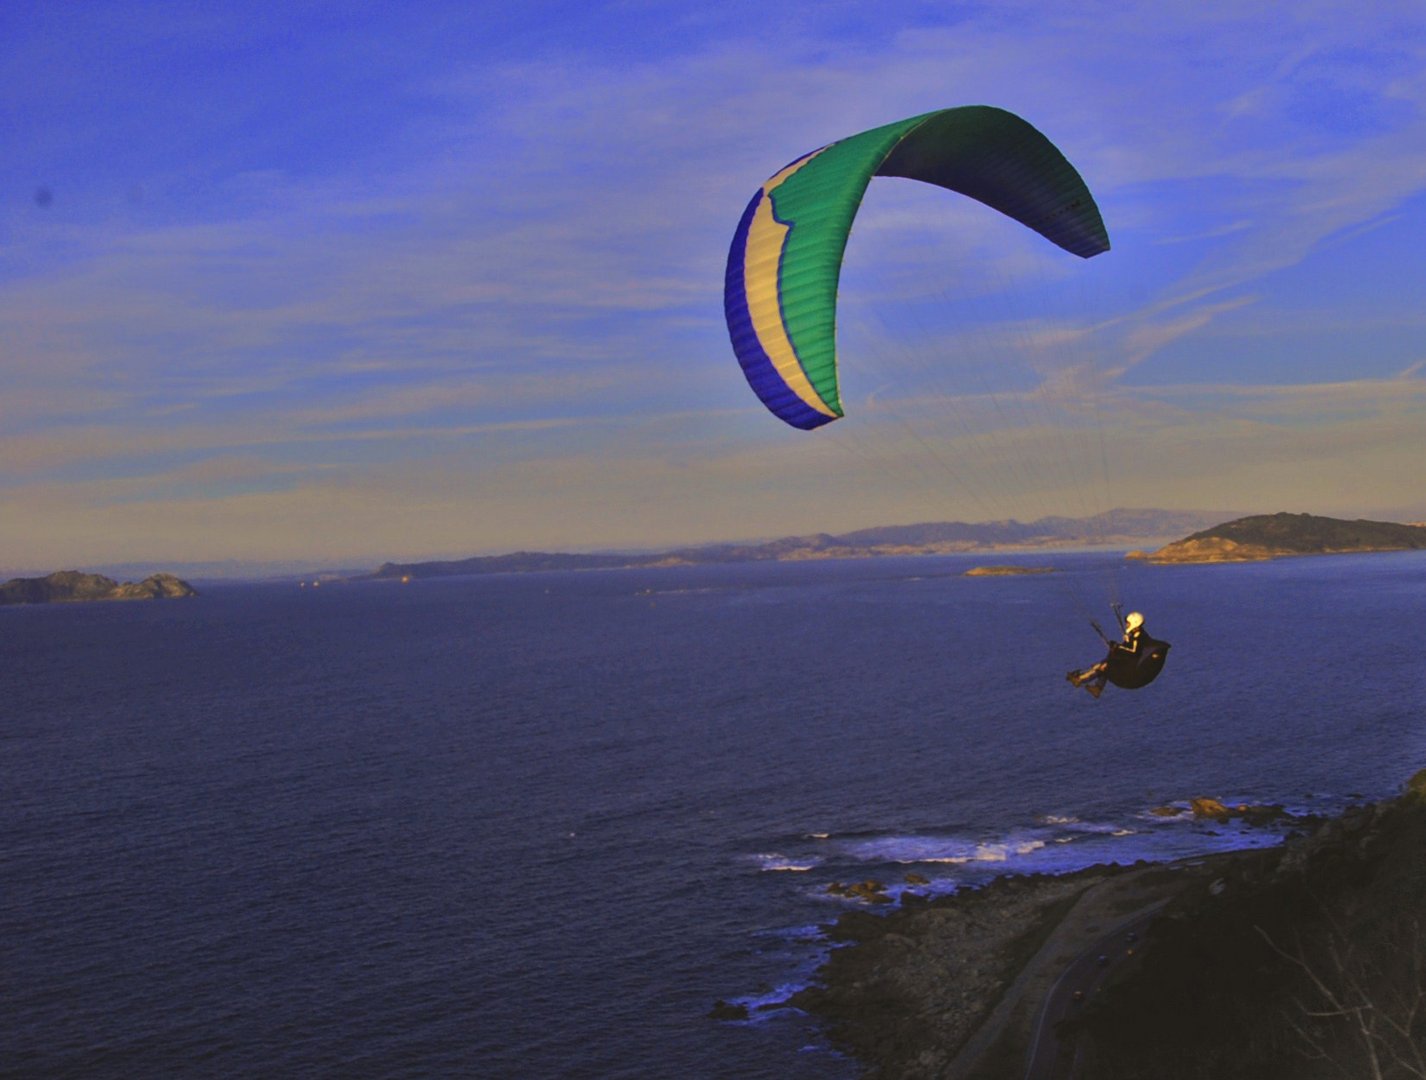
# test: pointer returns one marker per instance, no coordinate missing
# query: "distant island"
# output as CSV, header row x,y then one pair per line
x,y
70,586
1272,536
1007,571
1116,527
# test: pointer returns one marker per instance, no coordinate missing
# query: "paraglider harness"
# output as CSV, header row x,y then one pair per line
x,y
1131,668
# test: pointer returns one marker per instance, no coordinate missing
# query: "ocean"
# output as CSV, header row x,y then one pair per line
x,y
536,825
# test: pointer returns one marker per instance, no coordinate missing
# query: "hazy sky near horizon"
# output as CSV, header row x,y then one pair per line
x,y
349,282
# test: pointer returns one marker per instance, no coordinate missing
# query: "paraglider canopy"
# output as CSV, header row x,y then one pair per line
x,y
780,288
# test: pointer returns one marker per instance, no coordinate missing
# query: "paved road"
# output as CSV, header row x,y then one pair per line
x,y
1050,1058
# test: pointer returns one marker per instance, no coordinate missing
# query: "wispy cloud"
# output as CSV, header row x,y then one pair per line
x,y
520,247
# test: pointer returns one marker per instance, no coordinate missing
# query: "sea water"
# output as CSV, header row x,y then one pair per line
x,y
537,825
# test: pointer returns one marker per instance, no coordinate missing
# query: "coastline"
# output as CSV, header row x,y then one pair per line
x,y
1116,960
951,986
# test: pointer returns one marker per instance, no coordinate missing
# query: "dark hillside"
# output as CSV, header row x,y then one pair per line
x,y
1305,963
1307,533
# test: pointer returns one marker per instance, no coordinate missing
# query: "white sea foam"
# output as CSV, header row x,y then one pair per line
x,y
943,849
1094,828
1004,852
1058,844
776,861
765,1006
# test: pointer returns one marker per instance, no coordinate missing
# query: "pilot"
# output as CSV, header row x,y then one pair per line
x,y
1093,679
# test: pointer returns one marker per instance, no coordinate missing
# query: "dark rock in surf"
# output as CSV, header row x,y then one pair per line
x,y
727,1010
1210,808
871,892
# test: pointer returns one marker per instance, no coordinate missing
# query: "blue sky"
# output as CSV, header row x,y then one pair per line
x,y
341,283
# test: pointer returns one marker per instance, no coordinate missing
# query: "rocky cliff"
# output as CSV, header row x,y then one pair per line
x,y
67,586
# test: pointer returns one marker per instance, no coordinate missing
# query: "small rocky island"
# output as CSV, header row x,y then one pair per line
x,y
70,586
1273,536
1007,571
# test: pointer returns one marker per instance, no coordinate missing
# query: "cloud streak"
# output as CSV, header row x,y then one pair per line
x,y
517,254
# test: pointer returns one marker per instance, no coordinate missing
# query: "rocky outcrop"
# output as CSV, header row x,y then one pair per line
x,y
69,586
1213,549
1203,807
871,892
728,1010
1209,808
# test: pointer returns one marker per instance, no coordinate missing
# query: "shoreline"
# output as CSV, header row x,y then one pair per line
x,y
1179,969
952,986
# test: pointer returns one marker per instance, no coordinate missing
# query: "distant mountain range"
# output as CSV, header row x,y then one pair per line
x,y
1213,536
1114,528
